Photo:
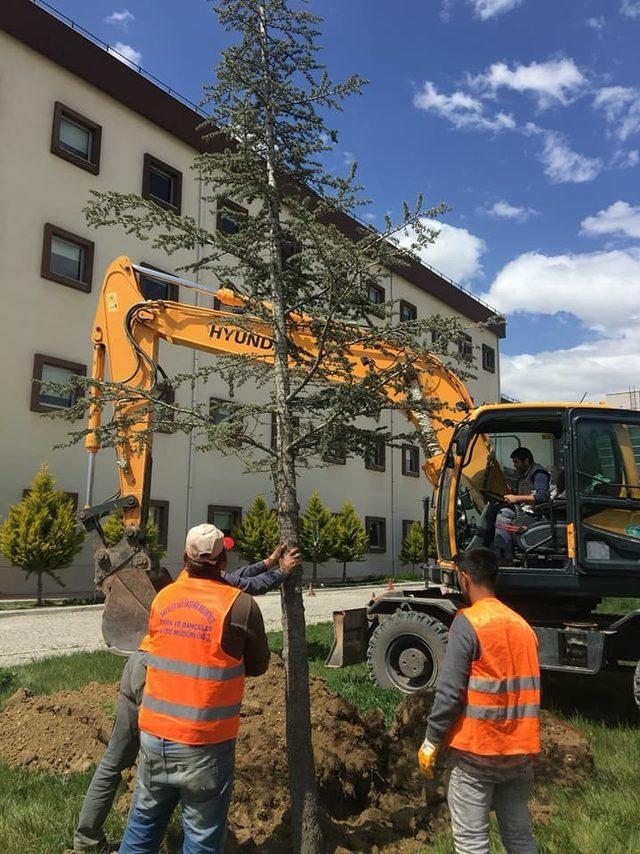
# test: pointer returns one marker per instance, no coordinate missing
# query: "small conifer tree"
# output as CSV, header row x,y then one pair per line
x,y
318,534
412,550
41,534
114,529
258,534
353,541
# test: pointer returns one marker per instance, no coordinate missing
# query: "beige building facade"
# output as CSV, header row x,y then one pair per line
x,y
75,119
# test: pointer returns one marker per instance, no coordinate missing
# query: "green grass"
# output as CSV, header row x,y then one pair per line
x,y
39,810
618,606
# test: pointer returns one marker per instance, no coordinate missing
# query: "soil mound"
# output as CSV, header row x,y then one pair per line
x,y
368,780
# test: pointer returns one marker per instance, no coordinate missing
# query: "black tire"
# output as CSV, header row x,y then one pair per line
x,y
636,685
406,651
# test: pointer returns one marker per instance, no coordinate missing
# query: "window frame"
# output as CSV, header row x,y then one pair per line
x,y
334,461
368,464
151,162
39,360
486,349
163,527
405,471
222,203
51,231
173,290
404,305
368,522
236,512
61,111
379,289
465,341
406,525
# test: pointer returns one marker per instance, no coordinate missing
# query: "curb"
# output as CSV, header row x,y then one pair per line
x,y
60,609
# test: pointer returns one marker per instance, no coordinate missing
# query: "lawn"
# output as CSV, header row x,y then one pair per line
x,y
602,817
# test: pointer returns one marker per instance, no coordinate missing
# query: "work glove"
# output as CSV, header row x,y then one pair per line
x,y
427,756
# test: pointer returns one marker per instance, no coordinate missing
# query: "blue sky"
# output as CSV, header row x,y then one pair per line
x,y
522,115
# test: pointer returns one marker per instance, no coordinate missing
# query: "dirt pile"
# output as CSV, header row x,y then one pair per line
x,y
367,776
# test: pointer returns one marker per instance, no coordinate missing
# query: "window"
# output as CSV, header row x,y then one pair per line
x,y
159,515
488,358
410,461
335,457
219,410
230,217
162,184
153,289
274,428
376,528
67,258
406,524
375,293
164,417
72,496
465,346
225,518
376,458
76,138
48,369
408,311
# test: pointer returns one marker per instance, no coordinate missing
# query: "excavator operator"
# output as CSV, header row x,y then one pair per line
x,y
532,489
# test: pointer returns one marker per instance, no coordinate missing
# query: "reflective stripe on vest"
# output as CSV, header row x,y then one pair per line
x,y
194,690
502,704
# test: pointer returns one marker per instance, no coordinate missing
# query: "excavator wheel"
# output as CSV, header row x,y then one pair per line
x,y
406,651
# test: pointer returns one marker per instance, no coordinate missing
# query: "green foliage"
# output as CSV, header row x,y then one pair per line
x,y
259,533
7,678
412,550
353,541
41,534
114,529
318,534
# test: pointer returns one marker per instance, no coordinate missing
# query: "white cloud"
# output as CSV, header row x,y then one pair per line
x,y
562,165
625,159
621,107
125,53
120,19
456,252
631,8
601,288
554,81
595,23
505,210
620,218
485,9
461,109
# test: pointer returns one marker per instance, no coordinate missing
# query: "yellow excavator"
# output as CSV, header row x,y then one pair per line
x,y
582,545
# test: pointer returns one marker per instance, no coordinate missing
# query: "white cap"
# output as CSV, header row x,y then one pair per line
x,y
206,542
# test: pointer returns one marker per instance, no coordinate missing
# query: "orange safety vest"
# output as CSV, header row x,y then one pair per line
x,y
194,690
502,705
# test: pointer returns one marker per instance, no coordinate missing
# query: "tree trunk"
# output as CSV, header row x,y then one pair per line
x,y
314,574
306,834
39,590
344,572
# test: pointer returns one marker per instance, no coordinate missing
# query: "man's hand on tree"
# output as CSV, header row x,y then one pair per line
x,y
274,557
290,561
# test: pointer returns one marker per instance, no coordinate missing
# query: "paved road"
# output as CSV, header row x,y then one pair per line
x,y
27,635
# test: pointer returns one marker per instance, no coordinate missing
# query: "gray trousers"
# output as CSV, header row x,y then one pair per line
x,y
120,754
471,795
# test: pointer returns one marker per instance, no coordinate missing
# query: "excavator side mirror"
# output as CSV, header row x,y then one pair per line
x,y
462,439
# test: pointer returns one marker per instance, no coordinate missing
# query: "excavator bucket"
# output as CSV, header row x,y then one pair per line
x,y
350,638
129,594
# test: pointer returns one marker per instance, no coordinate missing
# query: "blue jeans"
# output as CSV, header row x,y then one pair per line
x,y
199,777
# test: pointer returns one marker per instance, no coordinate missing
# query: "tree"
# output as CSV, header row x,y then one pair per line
x,y
299,252
318,534
258,534
114,529
353,541
41,534
412,550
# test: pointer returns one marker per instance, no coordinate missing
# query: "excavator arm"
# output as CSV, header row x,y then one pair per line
x,y
126,334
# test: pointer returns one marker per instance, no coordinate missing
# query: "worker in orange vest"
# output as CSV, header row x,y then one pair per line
x,y
487,713
204,637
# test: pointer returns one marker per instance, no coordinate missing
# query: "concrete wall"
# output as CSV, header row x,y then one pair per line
x,y
41,316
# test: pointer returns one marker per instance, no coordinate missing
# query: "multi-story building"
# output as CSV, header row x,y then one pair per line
x,y
74,118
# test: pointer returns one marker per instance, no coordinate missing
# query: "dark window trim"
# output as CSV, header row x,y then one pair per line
x,y
406,524
223,203
405,470
406,304
334,461
465,339
173,290
93,165
39,360
84,284
163,527
71,495
172,172
380,290
224,508
486,349
368,520
368,464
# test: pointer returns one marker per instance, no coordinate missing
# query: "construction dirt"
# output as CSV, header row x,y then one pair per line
x,y
373,798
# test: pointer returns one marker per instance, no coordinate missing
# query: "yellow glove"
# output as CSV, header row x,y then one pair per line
x,y
427,756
